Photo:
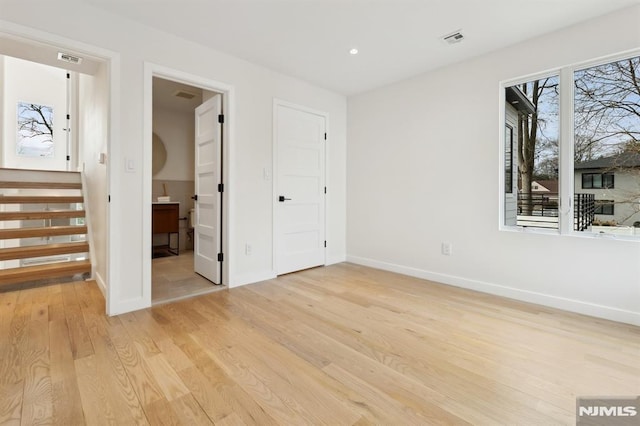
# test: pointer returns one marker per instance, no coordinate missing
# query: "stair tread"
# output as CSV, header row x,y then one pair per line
x,y
49,270
39,171
25,252
46,214
32,187
40,199
40,185
47,231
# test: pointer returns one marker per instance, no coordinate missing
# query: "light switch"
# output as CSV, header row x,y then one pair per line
x,y
129,165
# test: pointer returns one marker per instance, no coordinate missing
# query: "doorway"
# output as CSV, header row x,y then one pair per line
x,y
187,176
36,102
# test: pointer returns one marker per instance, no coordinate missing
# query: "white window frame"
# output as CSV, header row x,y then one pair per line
x,y
566,174
502,107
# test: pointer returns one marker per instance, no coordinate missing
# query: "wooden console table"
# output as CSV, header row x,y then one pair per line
x,y
165,220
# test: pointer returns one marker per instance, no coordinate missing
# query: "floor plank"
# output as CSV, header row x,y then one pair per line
x,y
340,345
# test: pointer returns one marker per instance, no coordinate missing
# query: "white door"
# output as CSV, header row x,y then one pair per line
x,y
300,188
208,135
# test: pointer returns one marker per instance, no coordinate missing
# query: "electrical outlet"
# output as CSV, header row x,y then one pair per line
x,y
447,249
248,249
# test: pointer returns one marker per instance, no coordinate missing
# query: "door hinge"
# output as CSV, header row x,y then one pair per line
x,y
221,118
325,189
325,243
220,257
109,199
195,197
325,136
221,187
68,158
68,117
68,75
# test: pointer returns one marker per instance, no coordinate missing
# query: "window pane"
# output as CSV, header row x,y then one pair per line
x,y
531,110
603,207
607,146
597,180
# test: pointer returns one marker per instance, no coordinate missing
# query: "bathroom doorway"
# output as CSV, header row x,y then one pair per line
x,y
186,237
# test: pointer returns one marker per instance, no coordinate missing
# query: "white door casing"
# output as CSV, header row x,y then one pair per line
x,y
299,138
207,232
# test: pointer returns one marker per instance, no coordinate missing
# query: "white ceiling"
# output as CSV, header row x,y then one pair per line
x,y
310,39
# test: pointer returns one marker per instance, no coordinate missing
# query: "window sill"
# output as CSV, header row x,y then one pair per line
x,y
556,232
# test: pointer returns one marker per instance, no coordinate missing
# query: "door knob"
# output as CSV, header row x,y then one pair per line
x,y
282,199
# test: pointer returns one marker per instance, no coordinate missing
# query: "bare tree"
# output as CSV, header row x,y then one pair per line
x,y
607,122
607,107
542,94
35,120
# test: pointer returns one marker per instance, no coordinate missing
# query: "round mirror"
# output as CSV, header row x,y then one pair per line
x,y
159,155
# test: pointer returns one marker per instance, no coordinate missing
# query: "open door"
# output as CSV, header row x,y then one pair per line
x,y
207,232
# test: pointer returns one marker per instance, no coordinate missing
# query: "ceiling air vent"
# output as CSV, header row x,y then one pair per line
x,y
453,38
66,57
184,94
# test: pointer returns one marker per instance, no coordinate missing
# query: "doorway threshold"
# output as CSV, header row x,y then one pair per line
x,y
173,278
214,288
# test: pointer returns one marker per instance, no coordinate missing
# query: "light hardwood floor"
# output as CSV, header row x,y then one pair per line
x,y
339,345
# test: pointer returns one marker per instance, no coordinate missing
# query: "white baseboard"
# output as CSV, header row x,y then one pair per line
x,y
332,260
571,305
130,305
101,284
251,278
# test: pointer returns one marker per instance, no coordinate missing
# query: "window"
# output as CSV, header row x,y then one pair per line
x,y
508,160
602,125
35,130
604,207
606,126
597,180
531,119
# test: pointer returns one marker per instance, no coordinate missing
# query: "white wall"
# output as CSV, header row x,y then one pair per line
x,y
93,101
26,81
177,131
254,90
423,163
2,91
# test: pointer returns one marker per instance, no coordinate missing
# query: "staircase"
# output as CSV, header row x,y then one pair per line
x,y
42,227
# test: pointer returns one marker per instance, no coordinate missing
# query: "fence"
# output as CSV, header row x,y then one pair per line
x,y
541,210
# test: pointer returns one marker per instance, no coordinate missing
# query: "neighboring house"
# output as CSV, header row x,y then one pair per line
x,y
544,187
615,182
516,103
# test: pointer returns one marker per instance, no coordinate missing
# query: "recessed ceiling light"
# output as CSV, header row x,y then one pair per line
x,y
353,51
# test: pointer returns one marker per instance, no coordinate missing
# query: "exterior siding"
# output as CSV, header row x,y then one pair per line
x,y
511,200
625,194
